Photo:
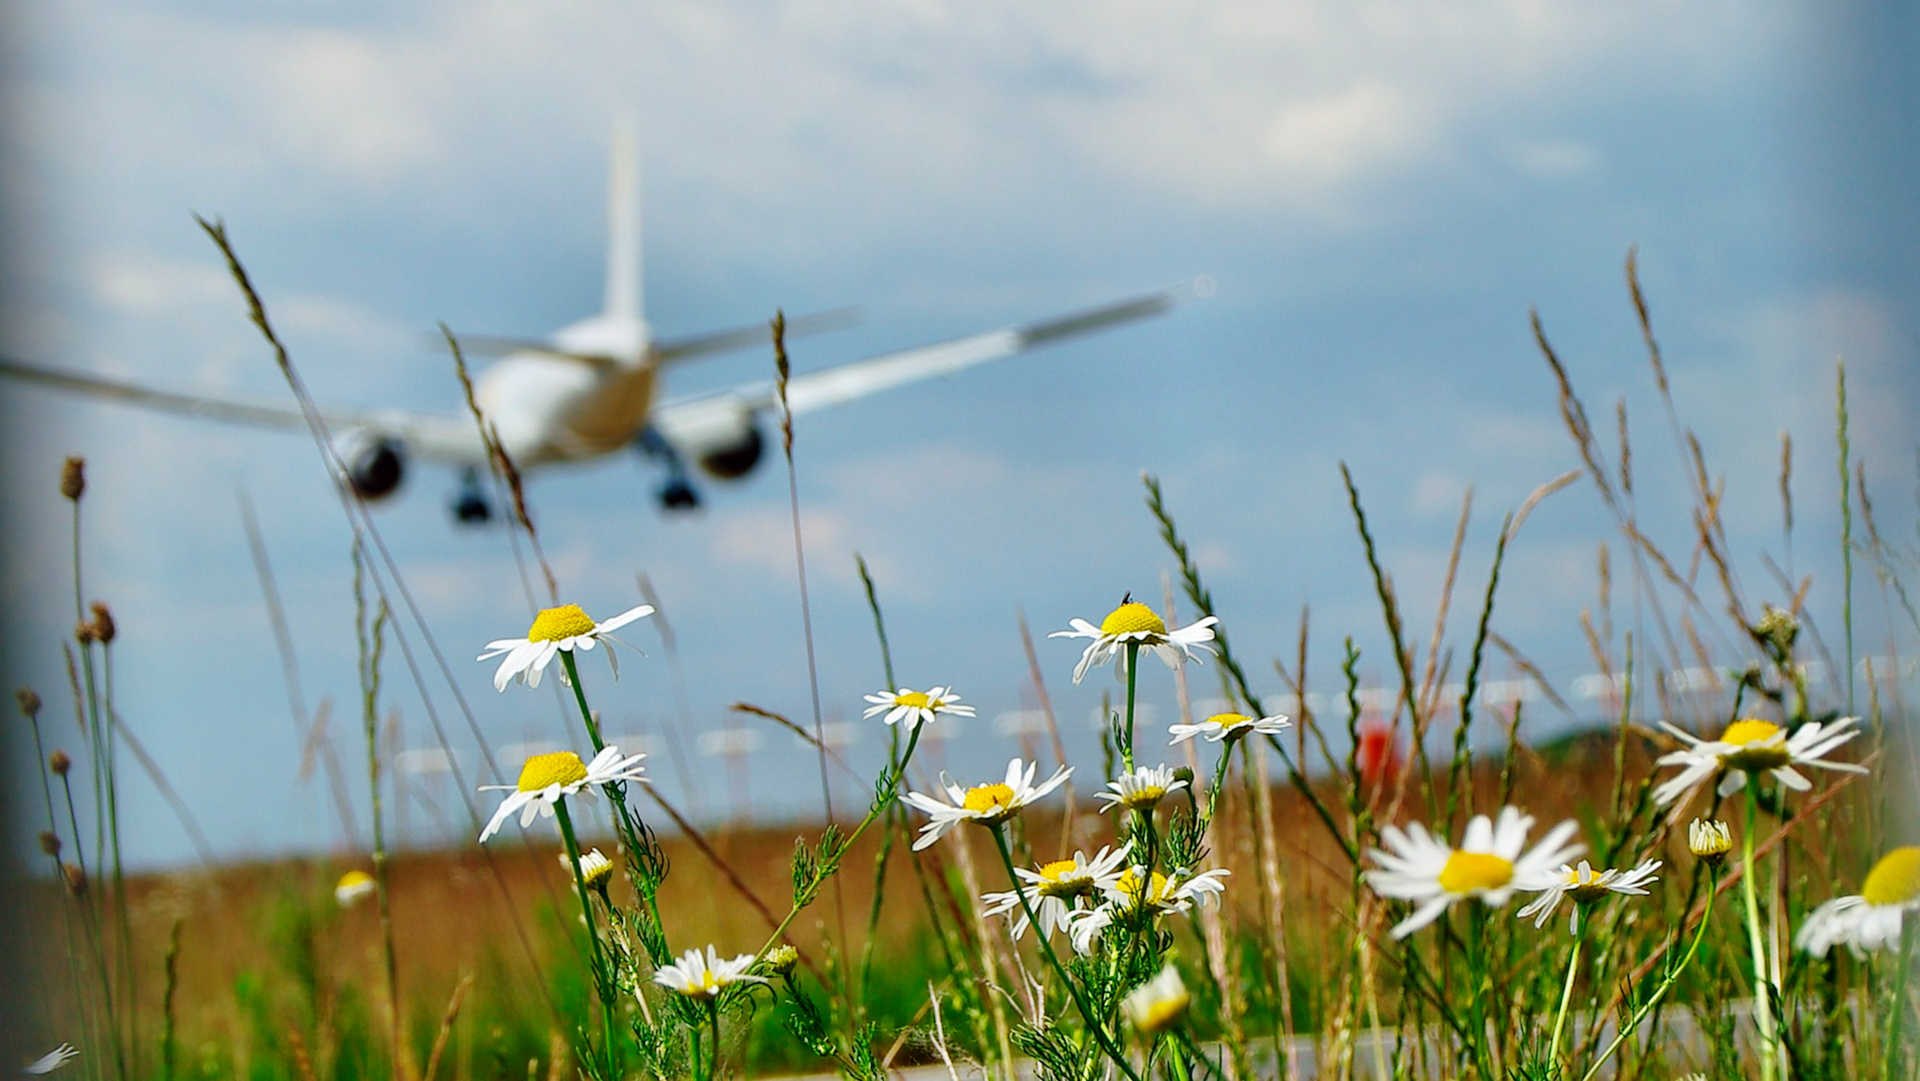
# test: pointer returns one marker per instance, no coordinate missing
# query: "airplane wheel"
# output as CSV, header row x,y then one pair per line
x,y
679,496
472,510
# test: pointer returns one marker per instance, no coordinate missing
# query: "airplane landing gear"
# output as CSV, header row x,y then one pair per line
x,y
679,495
470,506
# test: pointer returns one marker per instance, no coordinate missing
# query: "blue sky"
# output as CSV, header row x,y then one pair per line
x,y
1381,194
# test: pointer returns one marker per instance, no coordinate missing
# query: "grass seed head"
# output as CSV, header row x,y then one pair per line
x,y
29,701
103,627
73,478
59,763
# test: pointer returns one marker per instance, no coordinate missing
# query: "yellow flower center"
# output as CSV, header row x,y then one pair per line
x,y
1160,1013
1129,887
1054,880
913,700
1229,721
1584,884
1745,734
1895,880
353,880
988,799
544,770
1132,618
559,624
1474,872
1751,730
709,982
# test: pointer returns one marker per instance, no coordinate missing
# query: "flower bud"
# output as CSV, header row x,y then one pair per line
x,y
73,478
1184,773
782,958
1709,840
59,763
103,628
29,701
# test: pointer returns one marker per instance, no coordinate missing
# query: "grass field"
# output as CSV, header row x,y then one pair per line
x,y
1248,881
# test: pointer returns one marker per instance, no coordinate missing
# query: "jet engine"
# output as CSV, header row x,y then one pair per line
x,y
735,456
374,463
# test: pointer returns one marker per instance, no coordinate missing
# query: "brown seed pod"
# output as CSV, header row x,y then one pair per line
x,y
103,628
76,880
49,842
29,701
73,478
83,632
59,763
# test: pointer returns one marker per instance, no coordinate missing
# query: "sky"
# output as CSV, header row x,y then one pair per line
x,y
1382,193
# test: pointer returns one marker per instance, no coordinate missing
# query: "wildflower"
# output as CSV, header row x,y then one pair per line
x,y
1583,884
353,886
1709,840
781,959
554,629
1750,746
1056,887
1134,624
1157,1004
1871,918
547,778
1489,864
595,868
984,804
1138,895
1227,727
1380,756
916,707
63,1054
1141,789
705,976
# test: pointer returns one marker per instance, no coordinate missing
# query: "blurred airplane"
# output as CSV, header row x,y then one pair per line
x,y
588,390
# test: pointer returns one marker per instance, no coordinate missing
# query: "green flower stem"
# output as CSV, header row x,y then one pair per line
x,y
602,971
890,793
713,1026
1094,1024
1897,1014
1133,679
1177,1060
1666,982
1566,992
1762,987
1219,780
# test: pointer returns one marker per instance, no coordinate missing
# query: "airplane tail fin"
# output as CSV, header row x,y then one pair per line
x,y
624,284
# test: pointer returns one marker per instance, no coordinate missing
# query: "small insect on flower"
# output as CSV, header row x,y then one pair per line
x,y
1583,885
1055,888
595,868
1158,1004
1490,864
983,804
916,707
1135,624
1709,840
1870,919
698,975
546,779
555,629
1228,727
1750,747
1141,789
52,1060
353,887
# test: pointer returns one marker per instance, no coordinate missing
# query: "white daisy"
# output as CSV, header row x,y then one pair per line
x,y
52,1060
547,778
353,886
1162,895
1708,839
698,975
1134,623
1870,919
595,867
916,707
554,629
985,804
1583,884
1751,746
1229,727
1489,864
1141,789
1056,887
1157,1004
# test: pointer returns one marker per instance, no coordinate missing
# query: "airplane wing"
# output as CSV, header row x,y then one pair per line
x,y
431,437
692,423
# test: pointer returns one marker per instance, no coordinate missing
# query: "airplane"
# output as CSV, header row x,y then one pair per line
x,y
589,389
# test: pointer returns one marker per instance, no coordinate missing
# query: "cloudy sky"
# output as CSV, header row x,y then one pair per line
x,y
1381,193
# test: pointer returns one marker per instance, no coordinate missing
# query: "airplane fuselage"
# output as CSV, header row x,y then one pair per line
x,y
552,408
